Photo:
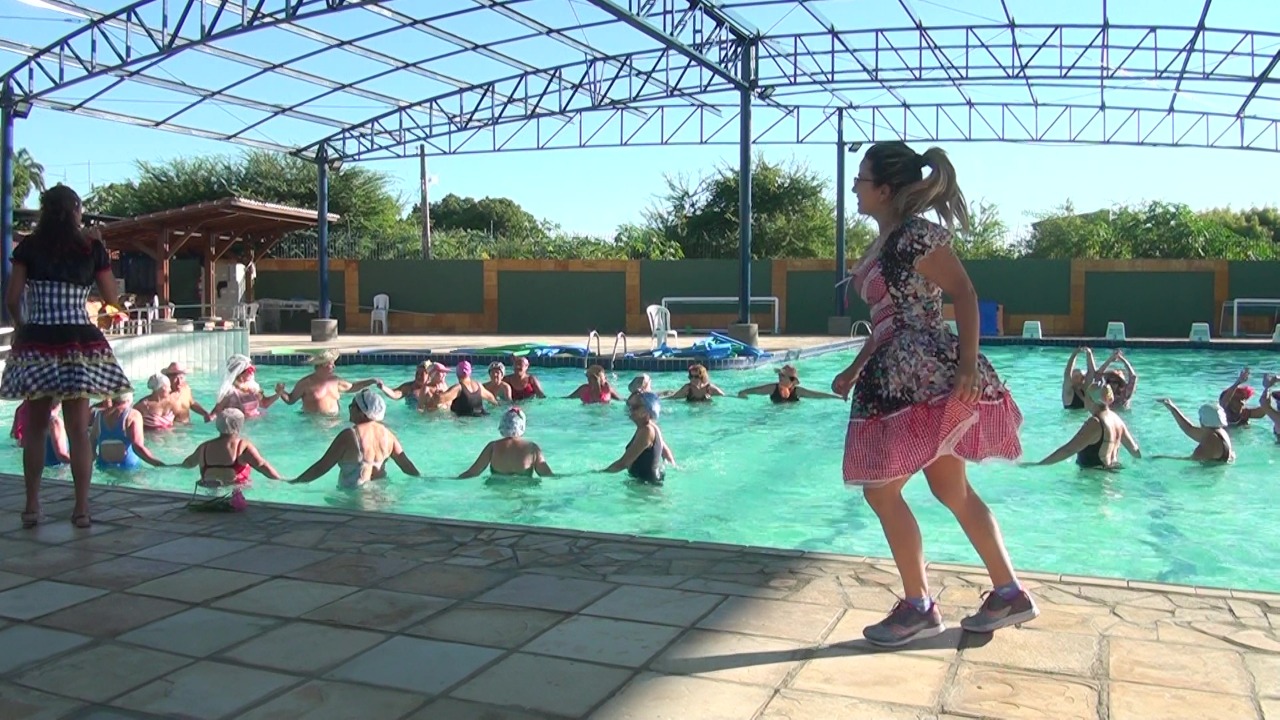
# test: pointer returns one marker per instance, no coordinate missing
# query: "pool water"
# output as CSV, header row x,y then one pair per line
x,y
758,474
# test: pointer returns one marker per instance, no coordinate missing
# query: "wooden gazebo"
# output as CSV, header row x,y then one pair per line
x,y
247,229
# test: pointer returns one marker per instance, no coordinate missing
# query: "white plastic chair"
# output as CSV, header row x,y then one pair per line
x,y
247,316
381,306
659,326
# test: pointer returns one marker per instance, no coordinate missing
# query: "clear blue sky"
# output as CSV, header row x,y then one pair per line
x,y
595,190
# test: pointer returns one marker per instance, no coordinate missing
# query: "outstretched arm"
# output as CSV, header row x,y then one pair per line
x,y
641,440
254,459
331,456
1088,434
757,390
806,392
481,463
1191,431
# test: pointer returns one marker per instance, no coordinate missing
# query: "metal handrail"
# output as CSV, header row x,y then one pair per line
x,y
860,323
586,361
614,357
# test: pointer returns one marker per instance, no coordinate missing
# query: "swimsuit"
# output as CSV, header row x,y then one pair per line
x,y
593,396
467,403
524,392
648,467
119,436
776,395
160,421
241,470
350,474
246,401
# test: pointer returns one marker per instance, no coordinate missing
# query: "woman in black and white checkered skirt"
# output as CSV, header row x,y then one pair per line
x,y
58,353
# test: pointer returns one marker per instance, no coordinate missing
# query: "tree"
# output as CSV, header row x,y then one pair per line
x,y
498,217
362,197
27,175
987,236
1064,234
791,214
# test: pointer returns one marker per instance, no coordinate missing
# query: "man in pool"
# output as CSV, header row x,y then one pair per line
x,y
180,399
512,456
319,391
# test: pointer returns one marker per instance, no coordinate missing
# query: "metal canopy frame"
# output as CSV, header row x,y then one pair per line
x,y
472,76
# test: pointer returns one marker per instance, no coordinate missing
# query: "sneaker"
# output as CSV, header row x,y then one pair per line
x,y
996,612
904,624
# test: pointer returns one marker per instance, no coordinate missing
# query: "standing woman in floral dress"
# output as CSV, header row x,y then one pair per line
x,y
923,398
58,354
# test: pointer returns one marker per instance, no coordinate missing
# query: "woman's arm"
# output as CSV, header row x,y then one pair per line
x,y
1191,431
683,392
288,397
806,392
714,390
537,387
481,463
401,459
757,390
336,450
641,440
13,295
396,393
193,460
487,396
1130,443
58,434
577,394
540,465
254,459
134,426
1090,432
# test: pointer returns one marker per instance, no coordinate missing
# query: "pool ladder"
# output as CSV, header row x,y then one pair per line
x,y
613,357
861,323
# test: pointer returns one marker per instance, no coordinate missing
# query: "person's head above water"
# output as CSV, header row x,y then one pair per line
x,y
698,373
1102,395
159,383
1212,416
646,406
512,423
639,383
891,184
787,375
324,360
463,370
369,405
497,370
230,422
596,372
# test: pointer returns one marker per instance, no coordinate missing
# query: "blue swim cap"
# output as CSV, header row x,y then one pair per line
x,y
651,404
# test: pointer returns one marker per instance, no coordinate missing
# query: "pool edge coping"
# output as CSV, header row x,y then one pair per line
x,y
1067,579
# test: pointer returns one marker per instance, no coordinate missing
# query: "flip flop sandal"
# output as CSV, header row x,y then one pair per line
x,y
31,519
82,521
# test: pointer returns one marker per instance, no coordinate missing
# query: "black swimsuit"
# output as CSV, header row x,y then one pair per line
x,y
467,403
776,396
648,467
1091,457
1077,401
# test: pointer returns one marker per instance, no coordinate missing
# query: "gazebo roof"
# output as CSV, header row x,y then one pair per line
x,y
223,222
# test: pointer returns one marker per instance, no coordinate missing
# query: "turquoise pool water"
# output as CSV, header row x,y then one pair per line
x,y
759,474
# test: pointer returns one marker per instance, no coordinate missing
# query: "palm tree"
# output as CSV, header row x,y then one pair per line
x,y
27,174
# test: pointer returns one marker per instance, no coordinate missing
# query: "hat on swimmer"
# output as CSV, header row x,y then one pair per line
x,y
324,357
638,382
463,369
157,381
175,368
512,423
371,405
1212,416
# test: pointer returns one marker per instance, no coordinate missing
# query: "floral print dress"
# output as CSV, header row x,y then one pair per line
x,y
903,415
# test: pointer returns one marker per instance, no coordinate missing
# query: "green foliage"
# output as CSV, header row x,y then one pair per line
x,y
28,175
499,217
987,236
360,196
792,216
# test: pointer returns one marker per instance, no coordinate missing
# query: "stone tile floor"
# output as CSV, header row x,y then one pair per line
x,y
296,613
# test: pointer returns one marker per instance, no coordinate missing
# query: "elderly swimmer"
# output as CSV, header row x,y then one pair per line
x,y
644,456
228,459
512,455
361,451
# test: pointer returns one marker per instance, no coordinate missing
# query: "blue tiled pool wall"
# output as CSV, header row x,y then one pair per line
x,y
200,351
649,364
643,364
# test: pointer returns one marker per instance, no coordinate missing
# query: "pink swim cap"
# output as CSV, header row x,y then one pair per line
x,y
464,368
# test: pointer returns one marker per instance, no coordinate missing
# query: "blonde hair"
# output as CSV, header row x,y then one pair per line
x,y
701,370
1102,394
902,169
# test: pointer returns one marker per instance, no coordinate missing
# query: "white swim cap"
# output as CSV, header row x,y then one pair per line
x,y
512,423
371,404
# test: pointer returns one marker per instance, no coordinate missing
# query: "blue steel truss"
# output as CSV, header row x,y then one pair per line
x,y
656,72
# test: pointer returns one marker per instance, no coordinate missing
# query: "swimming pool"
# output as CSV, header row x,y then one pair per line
x,y
758,474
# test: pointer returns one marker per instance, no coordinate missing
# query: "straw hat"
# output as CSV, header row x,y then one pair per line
x,y
324,357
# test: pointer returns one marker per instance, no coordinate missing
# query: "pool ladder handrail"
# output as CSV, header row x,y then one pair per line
x,y
613,358
586,361
861,323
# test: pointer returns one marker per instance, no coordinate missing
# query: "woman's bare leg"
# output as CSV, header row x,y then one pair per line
x,y
902,532
75,416
950,484
34,437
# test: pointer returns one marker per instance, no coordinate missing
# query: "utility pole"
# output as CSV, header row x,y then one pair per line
x,y
426,202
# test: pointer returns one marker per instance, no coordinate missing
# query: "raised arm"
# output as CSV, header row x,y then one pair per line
x,y
1088,434
714,390
350,387
1191,431
940,266
481,464
1225,395
1068,388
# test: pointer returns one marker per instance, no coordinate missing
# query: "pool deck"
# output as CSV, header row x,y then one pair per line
x,y
445,343
309,614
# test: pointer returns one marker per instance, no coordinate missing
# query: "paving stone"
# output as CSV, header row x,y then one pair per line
x,y
1132,701
772,618
20,703
546,592
30,601
103,672
197,584
1217,671
879,677
192,550
379,609
416,665
451,709
799,705
450,581
204,691
324,700
603,640
996,692
22,645
199,631
285,597
120,572
550,685
1041,651
51,561
362,570
655,605
112,615
304,648
1266,673
269,559
491,625
673,697
748,659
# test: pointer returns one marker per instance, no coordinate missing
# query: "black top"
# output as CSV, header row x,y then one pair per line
x,y
1091,456
467,403
777,396
648,467
73,268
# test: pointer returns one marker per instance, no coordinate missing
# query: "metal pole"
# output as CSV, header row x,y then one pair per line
x,y
744,188
425,202
322,228
6,194
841,303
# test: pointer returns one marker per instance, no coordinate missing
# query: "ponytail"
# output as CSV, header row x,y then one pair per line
x,y
939,192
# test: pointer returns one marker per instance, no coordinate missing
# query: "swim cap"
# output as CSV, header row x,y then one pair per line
x,y
463,369
371,404
1212,416
157,381
1246,391
512,423
495,365
230,421
651,404
638,382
